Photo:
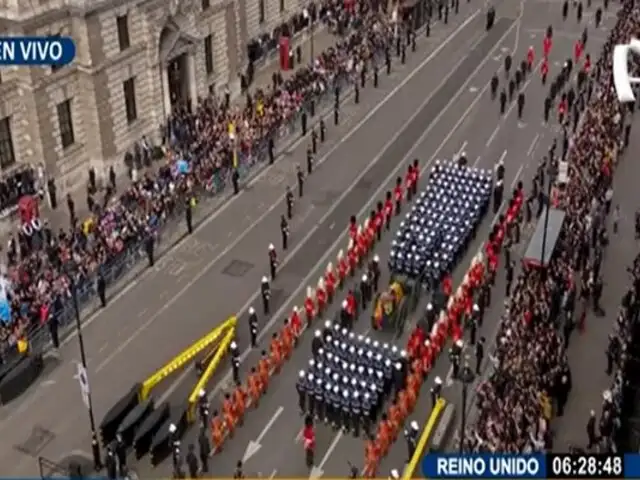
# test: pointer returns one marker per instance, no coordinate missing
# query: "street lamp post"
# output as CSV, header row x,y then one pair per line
x,y
466,378
95,444
546,227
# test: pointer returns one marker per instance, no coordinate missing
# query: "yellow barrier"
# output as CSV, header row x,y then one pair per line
x,y
185,357
424,438
208,373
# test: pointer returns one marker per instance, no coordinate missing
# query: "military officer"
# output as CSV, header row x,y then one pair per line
x,y
284,230
265,290
253,327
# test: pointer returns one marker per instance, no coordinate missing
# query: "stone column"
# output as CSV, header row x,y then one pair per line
x,y
166,94
193,84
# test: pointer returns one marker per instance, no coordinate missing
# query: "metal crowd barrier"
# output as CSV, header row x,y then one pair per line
x,y
116,268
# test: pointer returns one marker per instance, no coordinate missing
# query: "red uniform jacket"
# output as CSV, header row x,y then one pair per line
x,y
577,51
309,437
544,69
353,230
530,57
351,304
546,46
309,307
398,193
388,209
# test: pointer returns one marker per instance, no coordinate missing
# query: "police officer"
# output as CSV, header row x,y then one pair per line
x,y
446,12
579,12
288,197
403,56
265,290
356,93
284,230
203,408
435,391
376,78
598,17
479,353
235,178
235,361
520,104
518,78
111,464
494,86
503,101
375,271
336,114
565,9
101,285
498,191
271,148
314,141
455,356
238,473
192,461
303,122
430,316
121,454
149,246
301,387
411,435
273,261
323,130
473,325
300,177
507,65
253,326
309,159
547,108
387,60
365,291
509,273
512,89
204,450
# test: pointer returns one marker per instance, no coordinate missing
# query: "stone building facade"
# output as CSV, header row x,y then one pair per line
x,y
134,58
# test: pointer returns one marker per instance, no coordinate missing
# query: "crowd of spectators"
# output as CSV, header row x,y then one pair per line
x,y
531,379
39,265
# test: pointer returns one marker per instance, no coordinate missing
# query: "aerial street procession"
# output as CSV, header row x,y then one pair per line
x,y
351,267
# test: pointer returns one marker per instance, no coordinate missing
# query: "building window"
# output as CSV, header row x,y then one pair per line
x,y
206,4
208,54
261,11
129,87
282,6
65,122
123,32
7,156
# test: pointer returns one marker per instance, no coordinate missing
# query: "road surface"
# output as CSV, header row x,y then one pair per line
x,y
212,273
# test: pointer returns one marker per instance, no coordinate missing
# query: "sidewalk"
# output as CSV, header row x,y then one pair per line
x,y
59,218
587,349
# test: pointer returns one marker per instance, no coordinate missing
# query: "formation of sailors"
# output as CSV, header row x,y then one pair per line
x,y
349,378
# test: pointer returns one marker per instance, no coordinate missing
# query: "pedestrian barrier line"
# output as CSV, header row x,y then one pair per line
x,y
424,438
186,356
208,373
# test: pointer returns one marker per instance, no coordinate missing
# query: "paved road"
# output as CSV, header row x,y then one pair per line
x,y
210,275
156,317
586,351
462,125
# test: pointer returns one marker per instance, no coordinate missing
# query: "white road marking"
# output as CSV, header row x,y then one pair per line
x,y
534,142
266,171
473,89
311,232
